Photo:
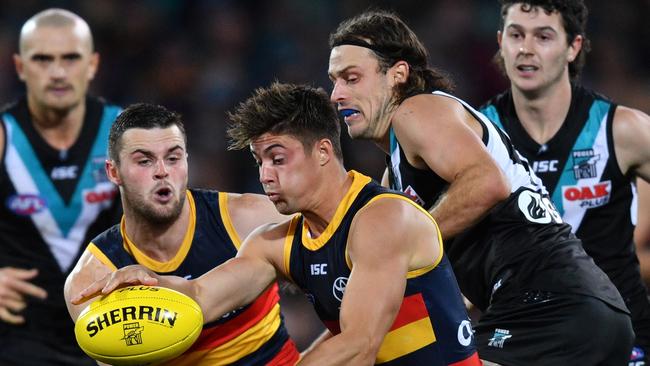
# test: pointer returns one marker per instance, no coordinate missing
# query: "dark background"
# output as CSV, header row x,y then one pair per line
x,y
203,57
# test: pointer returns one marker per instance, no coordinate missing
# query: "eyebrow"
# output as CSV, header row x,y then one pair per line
x,y
340,72
520,27
149,153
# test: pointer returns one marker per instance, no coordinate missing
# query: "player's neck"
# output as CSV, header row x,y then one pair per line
x,y
60,129
327,198
157,241
543,113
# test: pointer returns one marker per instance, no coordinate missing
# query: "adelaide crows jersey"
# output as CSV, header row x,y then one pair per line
x,y
432,326
252,335
578,165
52,203
513,236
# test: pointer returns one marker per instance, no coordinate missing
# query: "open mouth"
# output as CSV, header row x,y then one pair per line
x,y
163,194
527,68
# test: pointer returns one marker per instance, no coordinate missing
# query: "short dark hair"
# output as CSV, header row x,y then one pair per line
x,y
574,19
392,41
141,115
301,111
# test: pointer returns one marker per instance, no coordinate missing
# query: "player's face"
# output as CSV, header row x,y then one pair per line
x,y
152,173
286,170
535,50
362,92
56,64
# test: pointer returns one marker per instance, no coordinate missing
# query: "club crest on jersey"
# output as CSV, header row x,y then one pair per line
x,y
584,163
587,196
409,191
26,204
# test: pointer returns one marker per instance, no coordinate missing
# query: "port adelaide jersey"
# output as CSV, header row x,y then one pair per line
x,y
514,234
252,335
578,166
431,328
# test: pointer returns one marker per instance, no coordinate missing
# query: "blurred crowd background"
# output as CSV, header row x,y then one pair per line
x,y
202,57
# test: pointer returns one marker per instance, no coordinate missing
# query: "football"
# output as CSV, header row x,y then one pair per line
x,y
139,325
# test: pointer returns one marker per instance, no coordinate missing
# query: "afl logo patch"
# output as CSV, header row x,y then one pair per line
x,y
26,204
338,289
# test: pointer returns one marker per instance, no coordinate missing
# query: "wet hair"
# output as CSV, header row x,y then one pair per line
x,y
141,115
54,17
392,40
301,111
574,19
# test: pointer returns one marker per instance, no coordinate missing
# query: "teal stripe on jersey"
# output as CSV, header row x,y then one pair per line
x,y
66,215
597,113
99,149
491,113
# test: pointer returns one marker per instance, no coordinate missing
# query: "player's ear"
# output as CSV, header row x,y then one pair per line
x,y
574,48
18,64
112,172
93,65
399,72
325,150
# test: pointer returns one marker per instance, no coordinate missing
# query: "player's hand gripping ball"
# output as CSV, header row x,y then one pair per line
x,y
139,325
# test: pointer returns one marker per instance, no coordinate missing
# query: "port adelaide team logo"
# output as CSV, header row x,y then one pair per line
x,y
584,164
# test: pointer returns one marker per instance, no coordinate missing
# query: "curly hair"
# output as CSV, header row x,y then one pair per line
x,y
574,19
301,111
392,40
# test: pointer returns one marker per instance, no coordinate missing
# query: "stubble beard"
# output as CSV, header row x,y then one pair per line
x,y
152,215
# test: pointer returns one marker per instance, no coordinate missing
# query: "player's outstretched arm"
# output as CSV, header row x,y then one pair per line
x,y
381,248
229,286
437,133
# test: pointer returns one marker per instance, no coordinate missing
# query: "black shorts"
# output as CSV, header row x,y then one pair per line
x,y
545,328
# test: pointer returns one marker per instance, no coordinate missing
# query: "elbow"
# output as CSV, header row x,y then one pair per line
x,y
496,190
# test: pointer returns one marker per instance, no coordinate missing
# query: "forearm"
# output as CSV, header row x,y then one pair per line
x,y
468,200
318,341
340,350
230,286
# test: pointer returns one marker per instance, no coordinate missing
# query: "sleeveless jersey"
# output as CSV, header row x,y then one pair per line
x,y
432,326
252,335
579,167
507,245
52,203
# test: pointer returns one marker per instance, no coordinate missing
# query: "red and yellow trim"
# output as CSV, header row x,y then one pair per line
x,y
411,330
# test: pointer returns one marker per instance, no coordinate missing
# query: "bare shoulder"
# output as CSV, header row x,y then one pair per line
x,y
393,216
267,241
249,210
631,131
627,120
419,116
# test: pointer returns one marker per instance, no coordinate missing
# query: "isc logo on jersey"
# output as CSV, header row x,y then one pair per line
x,y
587,196
26,204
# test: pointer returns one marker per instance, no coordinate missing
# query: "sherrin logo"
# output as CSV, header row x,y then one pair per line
x,y
26,204
128,313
